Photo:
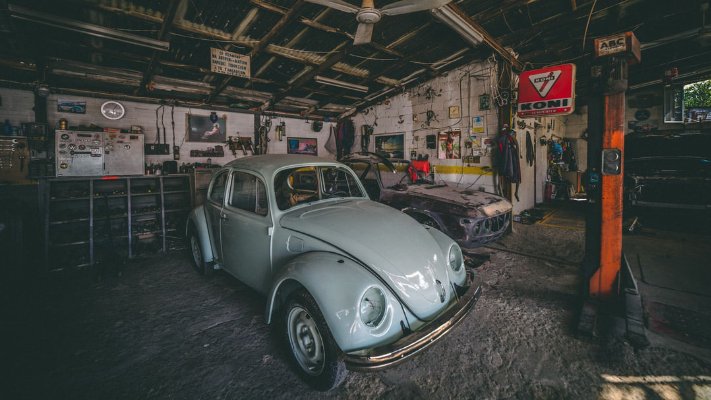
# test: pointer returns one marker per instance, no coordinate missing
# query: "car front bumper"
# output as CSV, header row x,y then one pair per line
x,y
416,342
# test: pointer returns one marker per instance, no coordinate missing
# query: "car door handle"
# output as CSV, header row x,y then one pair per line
x,y
223,217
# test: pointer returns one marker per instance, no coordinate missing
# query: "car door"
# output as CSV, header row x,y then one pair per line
x,y
246,231
214,205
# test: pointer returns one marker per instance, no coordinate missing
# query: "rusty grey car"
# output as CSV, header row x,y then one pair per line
x,y
471,217
351,284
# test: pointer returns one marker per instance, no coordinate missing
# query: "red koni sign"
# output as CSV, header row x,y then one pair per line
x,y
547,91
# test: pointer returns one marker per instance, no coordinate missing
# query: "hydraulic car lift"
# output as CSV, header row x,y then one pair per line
x,y
604,268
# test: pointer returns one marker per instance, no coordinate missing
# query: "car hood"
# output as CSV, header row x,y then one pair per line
x,y
475,202
393,245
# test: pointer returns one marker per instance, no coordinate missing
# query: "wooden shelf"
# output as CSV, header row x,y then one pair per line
x,y
69,221
69,243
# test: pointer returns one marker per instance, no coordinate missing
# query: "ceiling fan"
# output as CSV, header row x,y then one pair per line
x,y
367,15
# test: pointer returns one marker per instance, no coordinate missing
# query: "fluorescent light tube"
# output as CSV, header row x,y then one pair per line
x,y
459,24
341,84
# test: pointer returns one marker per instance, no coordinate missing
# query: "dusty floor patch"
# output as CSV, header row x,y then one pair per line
x,y
161,331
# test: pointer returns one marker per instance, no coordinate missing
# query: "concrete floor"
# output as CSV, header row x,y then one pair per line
x,y
161,331
673,272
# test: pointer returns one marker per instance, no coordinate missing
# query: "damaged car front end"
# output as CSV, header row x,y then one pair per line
x,y
471,217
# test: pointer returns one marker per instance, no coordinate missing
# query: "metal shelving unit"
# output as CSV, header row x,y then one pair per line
x,y
125,213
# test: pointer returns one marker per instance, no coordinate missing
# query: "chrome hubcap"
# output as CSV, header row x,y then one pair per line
x,y
305,341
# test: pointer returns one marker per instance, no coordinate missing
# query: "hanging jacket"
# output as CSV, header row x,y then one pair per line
x,y
530,150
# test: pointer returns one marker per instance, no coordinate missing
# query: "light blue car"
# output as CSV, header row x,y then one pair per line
x,y
351,283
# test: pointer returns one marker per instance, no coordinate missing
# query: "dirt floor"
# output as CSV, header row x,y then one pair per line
x,y
160,331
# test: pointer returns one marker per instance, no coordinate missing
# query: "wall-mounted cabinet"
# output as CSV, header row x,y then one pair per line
x,y
94,220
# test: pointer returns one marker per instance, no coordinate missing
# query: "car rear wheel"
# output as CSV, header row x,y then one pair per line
x,y
195,250
314,353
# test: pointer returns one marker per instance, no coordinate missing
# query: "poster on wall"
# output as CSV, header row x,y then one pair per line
x,y
449,145
390,146
479,124
71,106
297,145
202,129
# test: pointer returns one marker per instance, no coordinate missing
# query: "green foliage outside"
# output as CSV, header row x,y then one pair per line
x,y
697,95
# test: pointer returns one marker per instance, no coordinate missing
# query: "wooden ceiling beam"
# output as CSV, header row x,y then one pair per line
x,y
488,38
276,30
307,76
175,11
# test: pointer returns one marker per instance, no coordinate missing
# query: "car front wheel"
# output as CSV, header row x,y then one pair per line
x,y
196,253
313,351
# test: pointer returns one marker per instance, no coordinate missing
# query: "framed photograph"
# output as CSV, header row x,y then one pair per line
x,y
390,146
454,112
71,106
484,102
449,145
202,129
296,145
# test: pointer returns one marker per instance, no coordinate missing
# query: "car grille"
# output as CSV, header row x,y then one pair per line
x,y
491,225
479,232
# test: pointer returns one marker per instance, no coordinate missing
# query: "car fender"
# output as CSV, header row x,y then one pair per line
x,y
445,242
199,221
338,283
417,212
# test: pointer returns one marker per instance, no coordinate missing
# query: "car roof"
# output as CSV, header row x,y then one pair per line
x,y
267,164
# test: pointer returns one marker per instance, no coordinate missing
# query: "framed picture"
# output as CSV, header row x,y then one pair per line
x,y
390,146
479,124
484,102
297,145
449,145
71,106
202,129
454,112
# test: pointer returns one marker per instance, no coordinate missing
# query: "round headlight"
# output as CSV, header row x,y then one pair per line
x,y
455,258
372,307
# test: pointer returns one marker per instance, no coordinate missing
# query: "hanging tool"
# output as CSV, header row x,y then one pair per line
x,y
176,148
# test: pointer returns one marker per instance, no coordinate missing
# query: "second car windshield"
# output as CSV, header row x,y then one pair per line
x,y
300,185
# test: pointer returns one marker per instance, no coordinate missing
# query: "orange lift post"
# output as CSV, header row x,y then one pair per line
x,y
606,119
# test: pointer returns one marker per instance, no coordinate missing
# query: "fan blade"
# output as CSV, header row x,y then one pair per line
x,y
363,34
339,5
409,6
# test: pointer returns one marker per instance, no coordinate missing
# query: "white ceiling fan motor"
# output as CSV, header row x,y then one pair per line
x,y
368,15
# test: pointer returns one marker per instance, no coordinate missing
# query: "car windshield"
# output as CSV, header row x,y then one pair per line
x,y
390,178
301,185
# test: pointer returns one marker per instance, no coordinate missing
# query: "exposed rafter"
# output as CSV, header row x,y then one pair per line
x,y
263,42
174,11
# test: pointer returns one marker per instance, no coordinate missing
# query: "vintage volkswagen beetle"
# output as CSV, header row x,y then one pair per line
x,y
351,283
471,217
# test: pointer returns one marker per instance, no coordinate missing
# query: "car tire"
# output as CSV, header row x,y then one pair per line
x,y
196,253
312,350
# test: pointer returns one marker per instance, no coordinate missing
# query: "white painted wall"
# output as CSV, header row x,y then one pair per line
x,y
411,108
17,106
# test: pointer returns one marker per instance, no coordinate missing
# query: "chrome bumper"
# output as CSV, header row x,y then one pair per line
x,y
414,343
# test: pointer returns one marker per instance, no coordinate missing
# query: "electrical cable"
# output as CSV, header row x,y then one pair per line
x,y
588,24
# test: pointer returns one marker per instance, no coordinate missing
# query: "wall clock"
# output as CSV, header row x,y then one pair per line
x,y
113,110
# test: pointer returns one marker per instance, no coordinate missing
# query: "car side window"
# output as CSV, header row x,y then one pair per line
x,y
249,193
217,193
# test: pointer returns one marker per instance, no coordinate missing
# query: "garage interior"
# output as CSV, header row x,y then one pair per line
x,y
116,114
